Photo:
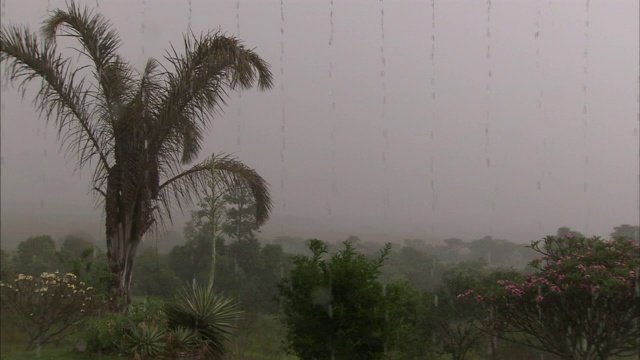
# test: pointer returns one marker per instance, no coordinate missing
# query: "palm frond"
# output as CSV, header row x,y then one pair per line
x,y
61,98
99,43
197,88
184,187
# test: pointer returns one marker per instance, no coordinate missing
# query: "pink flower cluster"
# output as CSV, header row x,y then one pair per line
x,y
465,294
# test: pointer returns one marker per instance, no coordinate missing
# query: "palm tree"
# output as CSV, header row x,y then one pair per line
x,y
139,132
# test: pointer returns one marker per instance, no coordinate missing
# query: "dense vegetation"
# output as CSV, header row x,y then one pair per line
x,y
455,300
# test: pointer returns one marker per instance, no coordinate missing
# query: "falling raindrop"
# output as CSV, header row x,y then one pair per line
x,y
435,300
98,4
238,17
433,195
385,130
239,104
332,135
142,25
284,118
190,15
488,84
432,132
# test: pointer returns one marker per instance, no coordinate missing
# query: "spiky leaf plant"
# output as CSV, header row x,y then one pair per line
x,y
182,339
145,340
212,316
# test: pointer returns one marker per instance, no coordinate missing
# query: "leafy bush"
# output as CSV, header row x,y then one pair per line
x,y
334,305
49,307
112,333
211,316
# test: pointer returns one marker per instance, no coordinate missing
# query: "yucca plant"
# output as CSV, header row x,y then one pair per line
x,y
145,340
182,339
211,316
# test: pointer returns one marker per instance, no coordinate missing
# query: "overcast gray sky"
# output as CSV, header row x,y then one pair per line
x,y
515,161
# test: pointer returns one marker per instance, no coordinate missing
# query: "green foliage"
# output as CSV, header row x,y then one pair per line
x,y
109,332
244,268
407,327
51,353
423,270
36,255
6,265
76,246
211,316
565,231
458,321
240,221
48,307
342,298
153,277
626,231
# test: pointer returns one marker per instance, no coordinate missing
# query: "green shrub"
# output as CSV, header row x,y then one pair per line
x,y
108,333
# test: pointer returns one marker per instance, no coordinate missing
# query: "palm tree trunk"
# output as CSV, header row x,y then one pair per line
x,y
121,254
125,225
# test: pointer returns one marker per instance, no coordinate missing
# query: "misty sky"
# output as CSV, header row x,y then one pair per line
x,y
513,155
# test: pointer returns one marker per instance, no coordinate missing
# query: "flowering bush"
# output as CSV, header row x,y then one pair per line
x,y
581,302
48,307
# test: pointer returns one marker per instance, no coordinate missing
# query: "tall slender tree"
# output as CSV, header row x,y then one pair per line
x,y
139,131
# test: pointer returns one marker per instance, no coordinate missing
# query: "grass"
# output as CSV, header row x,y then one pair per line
x,y
50,353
